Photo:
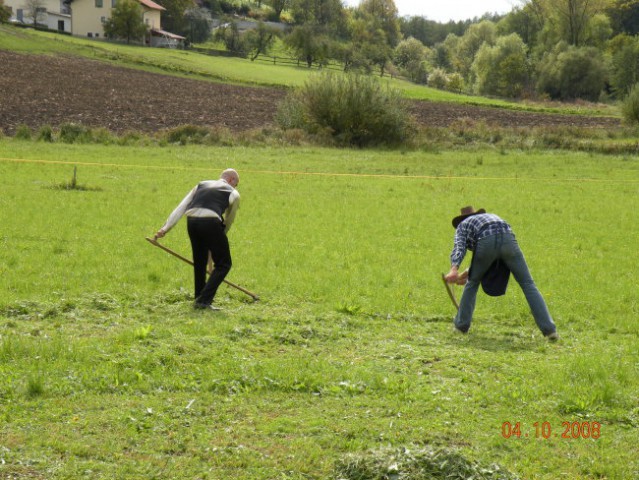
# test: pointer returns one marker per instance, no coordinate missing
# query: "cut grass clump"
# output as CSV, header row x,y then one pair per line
x,y
417,464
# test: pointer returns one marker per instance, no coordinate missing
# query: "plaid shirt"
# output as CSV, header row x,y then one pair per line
x,y
471,230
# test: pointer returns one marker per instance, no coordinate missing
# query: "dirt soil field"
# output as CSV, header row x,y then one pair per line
x,y
46,90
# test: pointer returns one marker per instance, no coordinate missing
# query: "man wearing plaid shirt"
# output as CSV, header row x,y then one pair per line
x,y
491,239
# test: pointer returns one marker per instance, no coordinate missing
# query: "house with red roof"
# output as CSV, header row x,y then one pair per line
x,y
86,18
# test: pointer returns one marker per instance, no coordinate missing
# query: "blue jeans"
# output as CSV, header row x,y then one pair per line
x,y
502,246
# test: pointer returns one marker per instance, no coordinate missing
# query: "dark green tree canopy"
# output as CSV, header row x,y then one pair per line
x,y
126,22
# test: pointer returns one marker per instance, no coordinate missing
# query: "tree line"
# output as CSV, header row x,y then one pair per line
x,y
557,49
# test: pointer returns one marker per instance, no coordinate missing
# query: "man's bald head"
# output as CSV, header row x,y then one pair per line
x,y
231,177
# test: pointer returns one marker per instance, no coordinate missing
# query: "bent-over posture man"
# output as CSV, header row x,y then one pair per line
x,y
491,239
210,209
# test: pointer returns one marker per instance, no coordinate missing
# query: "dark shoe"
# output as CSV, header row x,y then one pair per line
x,y
205,306
456,329
553,337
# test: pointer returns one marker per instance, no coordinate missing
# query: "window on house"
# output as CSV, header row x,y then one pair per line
x,y
103,20
98,3
90,35
113,2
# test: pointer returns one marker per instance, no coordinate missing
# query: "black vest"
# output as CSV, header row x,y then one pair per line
x,y
212,195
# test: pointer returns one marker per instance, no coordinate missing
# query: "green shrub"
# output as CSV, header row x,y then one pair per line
x,y
353,109
45,134
185,134
23,132
438,79
74,133
630,106
455,83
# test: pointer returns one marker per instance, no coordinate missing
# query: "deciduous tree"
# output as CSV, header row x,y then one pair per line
x,y
569,72
36,10
502,69
469,44
126,22
309,43
173,19
260,40
199,23
232,39
278,7
410,56
571,17
5,13
383,15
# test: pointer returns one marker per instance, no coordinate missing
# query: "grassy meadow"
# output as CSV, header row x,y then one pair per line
x,y
107,372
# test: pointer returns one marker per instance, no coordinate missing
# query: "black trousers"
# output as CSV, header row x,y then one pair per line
x,y
207,235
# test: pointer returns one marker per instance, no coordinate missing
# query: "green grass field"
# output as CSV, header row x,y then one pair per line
x,y
107,372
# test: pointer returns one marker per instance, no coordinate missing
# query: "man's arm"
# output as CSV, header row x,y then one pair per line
x,y
231,211
457,255
176,214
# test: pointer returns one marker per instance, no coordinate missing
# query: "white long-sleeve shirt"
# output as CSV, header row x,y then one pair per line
x,y
182,209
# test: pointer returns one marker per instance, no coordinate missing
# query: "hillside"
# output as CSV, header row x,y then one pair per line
x,y
51,90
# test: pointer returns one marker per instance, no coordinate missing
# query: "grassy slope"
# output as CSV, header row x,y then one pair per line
x,y
104,368
233,70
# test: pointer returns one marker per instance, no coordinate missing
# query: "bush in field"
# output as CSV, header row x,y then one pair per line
x,y
630,106
353,109
74,133
45,134
23,132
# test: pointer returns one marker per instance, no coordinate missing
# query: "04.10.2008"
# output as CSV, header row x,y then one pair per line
x,y
569,430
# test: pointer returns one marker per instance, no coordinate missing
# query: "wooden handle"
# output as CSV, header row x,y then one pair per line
x,y
153,241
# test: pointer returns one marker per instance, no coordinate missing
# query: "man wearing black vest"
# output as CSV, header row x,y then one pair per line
x,y
210,209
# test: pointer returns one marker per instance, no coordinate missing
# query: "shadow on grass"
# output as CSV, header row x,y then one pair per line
x,y
497,341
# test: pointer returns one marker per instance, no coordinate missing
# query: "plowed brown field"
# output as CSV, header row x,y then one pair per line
x,y
37,90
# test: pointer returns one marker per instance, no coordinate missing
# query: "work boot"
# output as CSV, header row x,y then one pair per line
x,y
553,337
204,306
